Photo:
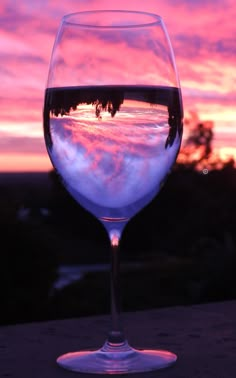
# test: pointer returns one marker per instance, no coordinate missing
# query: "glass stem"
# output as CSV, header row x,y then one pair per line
x,y
116,336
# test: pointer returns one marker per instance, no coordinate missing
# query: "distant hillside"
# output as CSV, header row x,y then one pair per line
x,y
27,178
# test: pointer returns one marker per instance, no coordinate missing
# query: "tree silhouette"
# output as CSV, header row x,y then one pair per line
x,y
196,151
201,138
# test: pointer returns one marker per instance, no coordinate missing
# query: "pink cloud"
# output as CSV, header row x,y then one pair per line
x,y
94,59
108,167
28,145
202,34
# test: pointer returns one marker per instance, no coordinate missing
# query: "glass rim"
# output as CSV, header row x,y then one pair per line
x,y
76,19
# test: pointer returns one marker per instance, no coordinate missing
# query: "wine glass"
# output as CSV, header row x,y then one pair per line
x,y
113,127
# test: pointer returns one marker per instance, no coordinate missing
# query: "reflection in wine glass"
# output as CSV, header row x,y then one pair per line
x,y
113,128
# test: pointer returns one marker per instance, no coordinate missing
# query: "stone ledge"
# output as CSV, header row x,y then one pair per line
x,y
203,337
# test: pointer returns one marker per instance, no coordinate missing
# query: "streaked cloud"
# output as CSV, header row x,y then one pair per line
x,y
15,144
202,33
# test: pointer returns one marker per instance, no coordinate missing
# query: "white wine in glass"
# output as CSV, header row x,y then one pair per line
x,y
113,122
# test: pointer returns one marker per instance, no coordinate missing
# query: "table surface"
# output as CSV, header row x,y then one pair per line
x,y
203,337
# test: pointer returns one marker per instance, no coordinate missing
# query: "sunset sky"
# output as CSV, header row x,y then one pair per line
x,y
203,35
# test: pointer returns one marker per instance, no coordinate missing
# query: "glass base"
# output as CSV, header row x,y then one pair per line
x,y
116,359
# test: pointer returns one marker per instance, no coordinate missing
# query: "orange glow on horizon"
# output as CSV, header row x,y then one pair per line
x,y
227,153
16,163
24,163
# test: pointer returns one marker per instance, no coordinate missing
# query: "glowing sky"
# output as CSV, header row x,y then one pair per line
x,y
203,37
